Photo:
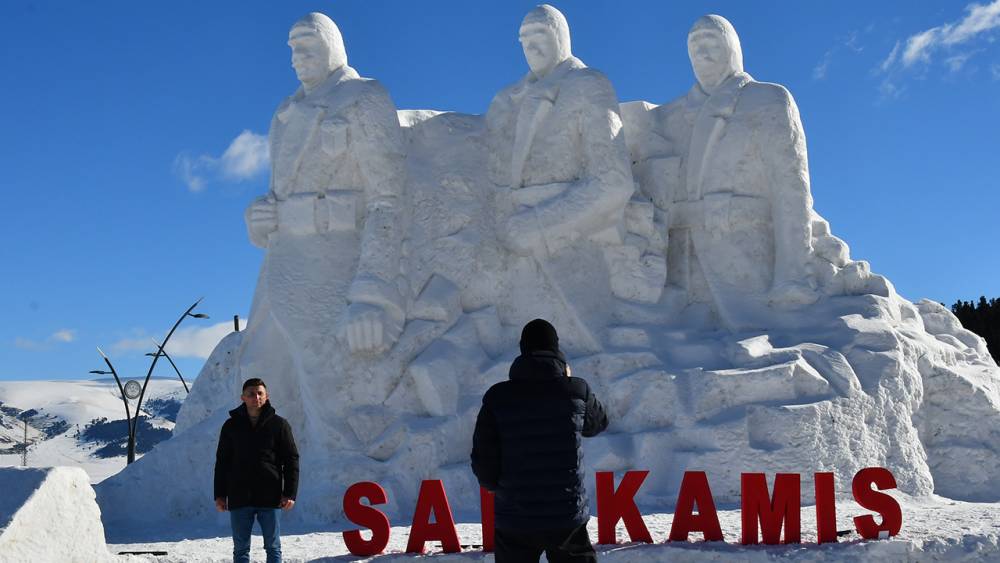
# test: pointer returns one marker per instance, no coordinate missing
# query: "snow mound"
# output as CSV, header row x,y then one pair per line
x,y
49,515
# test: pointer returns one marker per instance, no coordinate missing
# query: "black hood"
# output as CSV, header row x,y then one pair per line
x,y
538,364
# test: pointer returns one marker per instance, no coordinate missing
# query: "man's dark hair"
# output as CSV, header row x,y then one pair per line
x,y
254,382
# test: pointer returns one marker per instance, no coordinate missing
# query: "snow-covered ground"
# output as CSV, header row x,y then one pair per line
x,y
74,422
934,529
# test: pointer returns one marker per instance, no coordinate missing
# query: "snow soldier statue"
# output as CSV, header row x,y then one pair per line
x,y
739,200
559,160
328,296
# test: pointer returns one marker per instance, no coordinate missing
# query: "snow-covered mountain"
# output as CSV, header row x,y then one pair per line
x,y
82,423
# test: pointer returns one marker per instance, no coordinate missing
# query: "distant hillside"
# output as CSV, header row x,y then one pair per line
x,y
82,423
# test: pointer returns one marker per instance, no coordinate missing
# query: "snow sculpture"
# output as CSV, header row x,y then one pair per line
x,y
559,160
675,247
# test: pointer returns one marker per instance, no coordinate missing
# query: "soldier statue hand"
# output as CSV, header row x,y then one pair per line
x,y
370,329
262,219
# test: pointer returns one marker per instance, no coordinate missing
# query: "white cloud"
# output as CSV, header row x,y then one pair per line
x,y
819,71
849,42
61,336
192,170
995,71
28,344
245,158
920,47
64,335
891,59
187,342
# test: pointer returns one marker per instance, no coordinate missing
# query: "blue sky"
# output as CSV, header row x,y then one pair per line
x,y
132,137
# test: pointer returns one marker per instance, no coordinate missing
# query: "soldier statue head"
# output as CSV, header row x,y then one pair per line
x,y
317,49
544,37
714,49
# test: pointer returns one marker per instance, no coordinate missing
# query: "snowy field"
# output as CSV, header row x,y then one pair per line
x,y
934,529
80,423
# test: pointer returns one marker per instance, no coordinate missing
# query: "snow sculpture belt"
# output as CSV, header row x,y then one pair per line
x,y
319,212
721,211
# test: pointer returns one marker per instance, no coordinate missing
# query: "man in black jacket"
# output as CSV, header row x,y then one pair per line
x,y
256,471
526,449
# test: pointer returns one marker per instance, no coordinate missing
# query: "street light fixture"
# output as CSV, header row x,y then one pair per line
x,y
160,350
133,423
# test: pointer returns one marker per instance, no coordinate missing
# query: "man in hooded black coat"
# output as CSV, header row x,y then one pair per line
x,y
526,450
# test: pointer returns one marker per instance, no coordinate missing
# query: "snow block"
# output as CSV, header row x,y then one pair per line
x,y
49,514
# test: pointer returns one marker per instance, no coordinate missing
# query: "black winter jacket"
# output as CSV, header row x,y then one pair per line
x,y
256,465
526,446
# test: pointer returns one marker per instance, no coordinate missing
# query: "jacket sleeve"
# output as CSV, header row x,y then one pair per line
x,y
486,449
223,459
288,456
595,420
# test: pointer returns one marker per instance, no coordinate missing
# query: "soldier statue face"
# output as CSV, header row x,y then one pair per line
x,y
541,48
310,56
710,59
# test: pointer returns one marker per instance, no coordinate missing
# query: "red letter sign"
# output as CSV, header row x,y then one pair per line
x,y
486,512
613,506
432,498
694,489
826,508
892,515
757,506
366,516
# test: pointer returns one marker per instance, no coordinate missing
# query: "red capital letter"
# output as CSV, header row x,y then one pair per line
x,y
432,498
694,489
486,512
892,515
784,508
613,506
366,516
826,508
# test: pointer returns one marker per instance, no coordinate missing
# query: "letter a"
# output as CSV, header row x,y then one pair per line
x,y
613,506
432,498
756,506
367,516
695,489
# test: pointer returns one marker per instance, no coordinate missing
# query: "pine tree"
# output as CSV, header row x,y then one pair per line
x,y
982,318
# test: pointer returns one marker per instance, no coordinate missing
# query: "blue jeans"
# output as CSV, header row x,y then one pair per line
x,y
242,522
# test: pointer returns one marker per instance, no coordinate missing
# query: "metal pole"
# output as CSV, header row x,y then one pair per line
x,y
128,413
236,323
152,365
24,452
160,350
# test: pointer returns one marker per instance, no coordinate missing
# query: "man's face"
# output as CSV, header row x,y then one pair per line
x,y
254,397
310,57
709,58
540,48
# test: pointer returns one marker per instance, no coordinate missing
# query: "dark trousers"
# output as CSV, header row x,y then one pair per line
x,y
519,546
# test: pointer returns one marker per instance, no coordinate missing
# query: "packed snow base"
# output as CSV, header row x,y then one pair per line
x,y
49,515
675,248
934,529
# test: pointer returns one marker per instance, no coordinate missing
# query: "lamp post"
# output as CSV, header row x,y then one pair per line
x,y
126,391
160,350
